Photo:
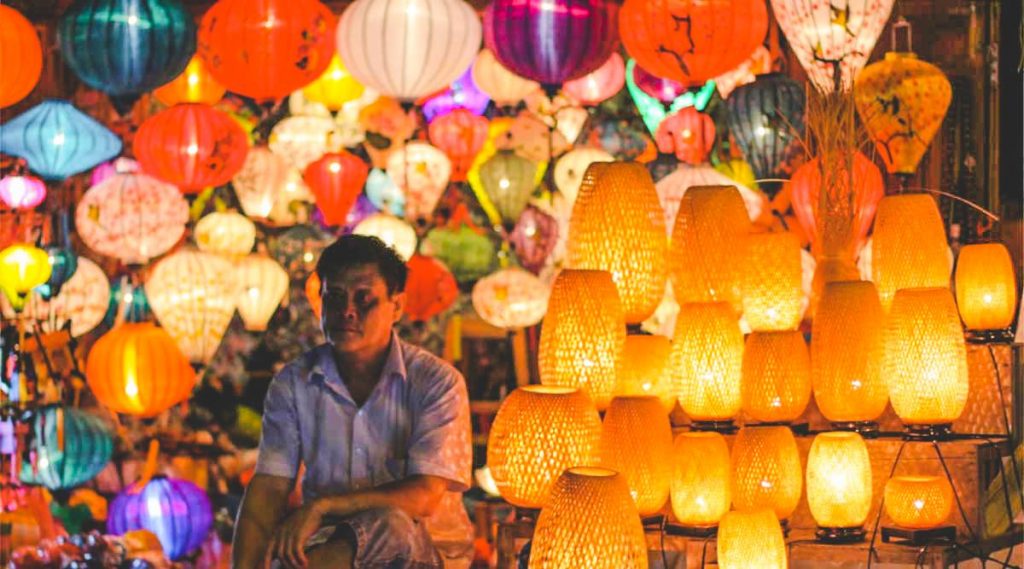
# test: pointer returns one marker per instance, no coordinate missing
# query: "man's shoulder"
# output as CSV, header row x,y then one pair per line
x,y
425,369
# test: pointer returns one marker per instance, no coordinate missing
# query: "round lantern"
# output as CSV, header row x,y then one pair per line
x,y
262,285
70,447
430,288
674,186
394,232
432,42
462,94
707,359
145,43
21,56
572,165
24,268
227,233
635,439
194,85
590,516
510,298
501,85
335,87
918,502
539,431
839,486
460,134
191,145
137,369
662,89
58,140
63,264
644,369
908,248
766,471
534,238
771,281
691,41
687,133
336,180
751,539
600,84
776,376
383,193
260,181
700,479
508,180
302,139
766,118
107,170
986,289
582,335
22,192
177,511
82,301
468,252
193,295
422,172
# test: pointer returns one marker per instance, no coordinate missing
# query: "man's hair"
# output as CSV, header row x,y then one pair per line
x,y
355,250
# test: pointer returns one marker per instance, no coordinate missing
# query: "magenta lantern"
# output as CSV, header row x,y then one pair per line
x,y
534,238
22,192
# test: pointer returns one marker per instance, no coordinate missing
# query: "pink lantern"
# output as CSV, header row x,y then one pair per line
x,y
460,134
22,192
534,238
600,84
109,169
504,87
689,134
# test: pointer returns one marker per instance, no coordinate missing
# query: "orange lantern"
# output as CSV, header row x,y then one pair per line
x,y
908,246
192,146
460,134
336,180
776,376
21,528
771,282
700,479
600,84
636,437
918,502
751,539
645,369
194,85
766,471
839,486
707,359
21,56
688,133
986,289
430,288
268,49
335,87
137,369
312,291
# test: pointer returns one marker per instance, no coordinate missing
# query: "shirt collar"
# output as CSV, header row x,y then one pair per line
x,y
327,368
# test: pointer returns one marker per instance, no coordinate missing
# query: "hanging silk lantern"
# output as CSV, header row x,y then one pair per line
x,y
662,89
336,180
435,40
302,139
766,470
107,170
700,479
24,268
335,87
70,446
137,369
776,376
572,165
63,264
510,298
832,41
469,253
688,134
600,84
58,140
986,289
918,502
127,302
422,172
674,186
194,85
262,285
192,145
394,232
462,94
193,295
908,248
145,44
460,135
260,181
268,50
508,180
692,42
707,361
430,288
22,192
533,238
839,486
635,439
226,233
759,63
21,56
384,194
748,539
770,279
177,512
645,369
504,87
551,42
81,302
766,118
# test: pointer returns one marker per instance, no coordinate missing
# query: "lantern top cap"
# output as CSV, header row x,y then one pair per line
x,y
919,478
549,389
591,472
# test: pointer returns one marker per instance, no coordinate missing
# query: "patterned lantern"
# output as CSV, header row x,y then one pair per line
x,y
776,376
302,139
82,301
107,170
600,84
177,511
70,447
986,289
335,87
700,478
336,180
260,181
508,180
21,56
918,502
194,85
460,134
673,187
137,369
462,94
510,298
22,192
193,295
539,431
192,145
432,43
644,369
534,238
590,516
707,360
24,268
227,233
908,248
771,281
503,86
572,165
582,335
551,41
688,134
839,485
636,437
468,252
430,288
58,140
832,40
262,285
690,41
751,539
394,232
383,193
767,119
422,172
766,471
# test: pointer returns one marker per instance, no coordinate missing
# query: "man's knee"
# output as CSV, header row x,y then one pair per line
x,y
394,521
338,553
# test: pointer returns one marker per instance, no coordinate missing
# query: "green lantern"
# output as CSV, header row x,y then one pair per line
x,y
508,180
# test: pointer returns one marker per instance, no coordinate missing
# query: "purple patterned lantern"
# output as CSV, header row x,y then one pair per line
x,y
177,511
463,94
534,238
552,41
664,90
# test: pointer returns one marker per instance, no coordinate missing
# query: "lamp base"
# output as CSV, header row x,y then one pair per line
x,y
636,330
691,531
527,514
866,429
936,432
1004,336
908,536
840,535
725,427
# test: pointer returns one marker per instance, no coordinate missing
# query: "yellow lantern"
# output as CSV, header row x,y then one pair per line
x,y
700,479
194,85
986,289
902,102
771,281
227,233
749,540
766,471
707,360
506,88
572,165
776,376
394,232
335,87
263,283
918,502
422,172
22,268
925,361
511,298
644,369
839,486
540,431
636,440
590,517
582,335
617,226
908,248
303,139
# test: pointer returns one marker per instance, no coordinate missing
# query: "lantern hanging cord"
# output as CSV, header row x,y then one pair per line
x,y
965,201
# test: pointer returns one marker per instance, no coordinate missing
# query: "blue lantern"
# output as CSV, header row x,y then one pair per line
x,y
58,140
177,511
86,449
127,47
63,264
384,194
767,119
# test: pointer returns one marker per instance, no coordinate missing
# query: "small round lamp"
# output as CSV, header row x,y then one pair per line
x,y
707,360
986,290
766,471
839,486
751,539
918,502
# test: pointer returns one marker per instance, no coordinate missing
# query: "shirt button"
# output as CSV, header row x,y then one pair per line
x,y
360,450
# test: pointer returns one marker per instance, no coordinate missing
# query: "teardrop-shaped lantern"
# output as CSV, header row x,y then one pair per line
x,y
335,87
422,172
508,180
394,232
336,180
534,238
510,298
21,56
460,134
767,119
572,165
227,233
263,283
430,288
24,267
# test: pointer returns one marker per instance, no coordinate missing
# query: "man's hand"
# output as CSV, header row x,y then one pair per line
x,y
289,542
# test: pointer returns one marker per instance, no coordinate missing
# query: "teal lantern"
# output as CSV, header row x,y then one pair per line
x,y
63,264
84,451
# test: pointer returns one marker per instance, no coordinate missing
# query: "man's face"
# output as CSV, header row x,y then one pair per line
x,y
357,312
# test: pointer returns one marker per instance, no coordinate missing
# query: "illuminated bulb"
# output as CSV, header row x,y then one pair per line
x,y
58,139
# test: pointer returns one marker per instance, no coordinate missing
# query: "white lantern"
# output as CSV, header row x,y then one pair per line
x,y
505,88
259,181
672,188
263,283
289,204
394,232
225,233
511,298
570,168
83,301
422,172
302,139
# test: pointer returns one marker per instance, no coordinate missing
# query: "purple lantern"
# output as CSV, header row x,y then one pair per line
x,y
552,41
177,511
463,94
362,209
664,90
534,238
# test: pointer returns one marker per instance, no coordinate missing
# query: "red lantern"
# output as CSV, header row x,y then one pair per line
x,y
267,49
192,146
460,135
429,289
690,134
336,180
21,56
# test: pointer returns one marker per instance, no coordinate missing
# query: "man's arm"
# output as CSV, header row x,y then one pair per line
x,y
263,507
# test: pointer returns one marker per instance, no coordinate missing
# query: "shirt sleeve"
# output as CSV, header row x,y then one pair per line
x,y
441,443
280,444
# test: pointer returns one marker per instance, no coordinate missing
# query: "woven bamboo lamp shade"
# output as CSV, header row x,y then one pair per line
x,y
918,502
540,431
617,225
766,471
707,361
986,289
925,361
227,233
770,280
751,540
591,521
908,247
839,485
700,487
846,353
644,369
776,383
636,440
582,335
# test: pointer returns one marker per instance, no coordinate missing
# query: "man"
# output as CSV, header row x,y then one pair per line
x,y
381,426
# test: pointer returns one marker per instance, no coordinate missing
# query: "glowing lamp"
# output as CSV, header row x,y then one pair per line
x,y
751,539
645,369
24,267
177,511
771,281
336,179
194,85
21,56
687,133
430,288
776,376
535,238
422,172
510,298
700,487
302,139
503,86
262,283
22,192
335,87
70,447
636,439
766,471
572,165
908,246
986,289
394,232
81,303
707,359
600,84
508,180
839,486
460,134
227,233
767,119
918,502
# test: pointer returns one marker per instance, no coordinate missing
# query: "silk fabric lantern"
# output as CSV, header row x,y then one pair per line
x,y
262,285
107,170
504,87
759,63
194,85
707,359
751,539
635,439
260,181
918,502
645,369
700,479
63,264
177,512
22,192
673,187
663,89
394,232
839,486
986,289
227,233
467,251
571,167
766,118
460,134
776,376
302,139
600,84
908,248
534,238
383,193
81,303
510,298
430,288
335,87
688,134
336,180
462,94
538,432
771,281
422,172
24,268
138,369
508,181
24,528
70,446
766,470
21,56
